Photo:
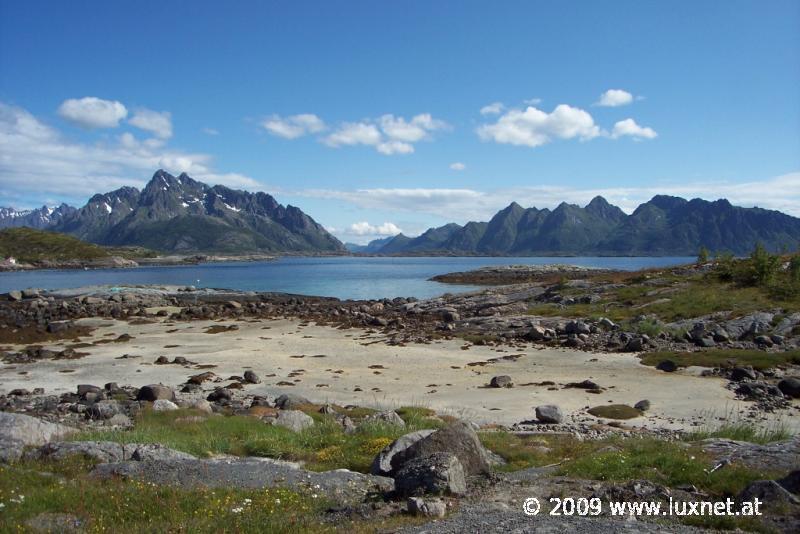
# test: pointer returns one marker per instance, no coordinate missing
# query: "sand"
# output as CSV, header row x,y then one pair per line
x,y
335,363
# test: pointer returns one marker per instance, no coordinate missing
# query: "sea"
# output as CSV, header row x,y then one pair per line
x,y
341,277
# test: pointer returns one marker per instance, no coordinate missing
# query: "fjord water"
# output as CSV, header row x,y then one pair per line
x,y
341,277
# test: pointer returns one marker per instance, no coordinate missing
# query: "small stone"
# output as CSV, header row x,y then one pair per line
x,y
220,394
251,377
642,405
668,366
427,507
502,381
163,405
154,392
294,420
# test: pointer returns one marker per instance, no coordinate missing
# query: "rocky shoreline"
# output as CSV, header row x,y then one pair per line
x,y
118,262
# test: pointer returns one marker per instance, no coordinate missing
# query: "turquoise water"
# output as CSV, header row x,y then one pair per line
x,y
342,277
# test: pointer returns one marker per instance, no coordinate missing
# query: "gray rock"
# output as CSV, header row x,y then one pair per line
x,y
790,387
119,419
766,341
15,295
635,344
102,410
502,381
251,377
100,451
549,413
85,389
154,392
743,373
55,522
769,492
201,405
606,323
154,451
440,473
163,405
382,464
706,342
427,507
29,430
642,405
457,438
294,420
220,394
576,327
290,401
341,486
668,366
791,482
387,417
11,450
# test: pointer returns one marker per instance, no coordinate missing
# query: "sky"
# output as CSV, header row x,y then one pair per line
x,y
381,117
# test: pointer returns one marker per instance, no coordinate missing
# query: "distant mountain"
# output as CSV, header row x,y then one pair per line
x,y
661,227
179,214
370,248
37,218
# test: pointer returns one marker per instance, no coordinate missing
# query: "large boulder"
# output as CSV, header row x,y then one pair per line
x,y
382,464
154,392
549,414
294,420
440,473
457,438
290,401
30,430
790,387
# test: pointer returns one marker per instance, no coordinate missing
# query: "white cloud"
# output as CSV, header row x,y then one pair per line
x,y
461,205
532,101
533,127
158,123
92,112
614,98
630,128
395,147
39,158
457,166
210,131
354,133
364,228
388,134
495,108
294,126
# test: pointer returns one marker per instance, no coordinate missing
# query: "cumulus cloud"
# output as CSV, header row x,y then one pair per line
x,y
495,108
457,166
294,126
614,98
91,112
38,157
364,228
462,205
388,134
158,123
533,127
628,127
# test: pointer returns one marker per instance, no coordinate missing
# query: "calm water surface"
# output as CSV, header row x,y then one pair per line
x,y
342,277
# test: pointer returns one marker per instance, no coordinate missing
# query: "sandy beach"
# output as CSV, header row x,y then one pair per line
x,y
354,366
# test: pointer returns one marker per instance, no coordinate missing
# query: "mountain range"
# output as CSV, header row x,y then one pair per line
x,y
182,215
663,226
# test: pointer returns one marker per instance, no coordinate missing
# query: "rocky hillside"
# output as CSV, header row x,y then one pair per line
x,y
663,226
179,214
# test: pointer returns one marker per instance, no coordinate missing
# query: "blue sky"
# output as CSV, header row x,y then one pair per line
x,y
379,116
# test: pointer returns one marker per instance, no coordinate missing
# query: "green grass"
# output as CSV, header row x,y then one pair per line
x,y
759,359
733,426
29,245
322,447
688,296
134,506
521,451
668,463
